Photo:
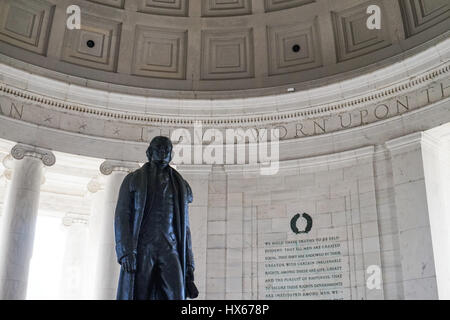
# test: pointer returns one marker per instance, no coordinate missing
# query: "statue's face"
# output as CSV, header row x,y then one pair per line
x,y
161,151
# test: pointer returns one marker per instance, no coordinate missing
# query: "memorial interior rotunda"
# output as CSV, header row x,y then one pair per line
x,y
352,203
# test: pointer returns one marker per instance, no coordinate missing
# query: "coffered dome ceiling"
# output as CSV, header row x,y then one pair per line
x,y
214,48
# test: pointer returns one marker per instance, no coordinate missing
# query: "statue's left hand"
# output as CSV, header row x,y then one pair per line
x,y
191,288
129,263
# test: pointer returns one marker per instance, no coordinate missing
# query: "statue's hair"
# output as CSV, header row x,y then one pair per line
x,y
152,143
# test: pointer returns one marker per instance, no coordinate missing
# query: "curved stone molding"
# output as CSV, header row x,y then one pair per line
x,y
19,151
316,162
429,116
404,96
142,106
108,166
413,93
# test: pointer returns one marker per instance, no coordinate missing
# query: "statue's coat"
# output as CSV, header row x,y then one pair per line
x,y
129,214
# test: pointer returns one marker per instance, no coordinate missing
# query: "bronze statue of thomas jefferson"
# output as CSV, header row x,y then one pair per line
x,y
153,239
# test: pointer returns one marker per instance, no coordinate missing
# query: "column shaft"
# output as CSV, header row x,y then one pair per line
x,y
18,227
107,273
73,280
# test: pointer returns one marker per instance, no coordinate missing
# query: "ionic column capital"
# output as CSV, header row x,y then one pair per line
x,y
108,166
19,151
7,162
95,184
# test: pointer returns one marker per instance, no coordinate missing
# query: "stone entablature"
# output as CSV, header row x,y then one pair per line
x,y
407,74
411,95
324,110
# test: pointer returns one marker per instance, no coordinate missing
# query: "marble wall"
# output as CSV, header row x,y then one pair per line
x,y
386,204
246,210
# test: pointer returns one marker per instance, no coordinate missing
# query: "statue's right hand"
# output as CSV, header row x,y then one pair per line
x,y
129,263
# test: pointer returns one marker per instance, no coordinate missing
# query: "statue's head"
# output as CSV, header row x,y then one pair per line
x,y
160,150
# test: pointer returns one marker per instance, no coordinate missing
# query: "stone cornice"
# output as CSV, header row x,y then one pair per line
x,y
345,158
233,121
423,118
400,78
414,141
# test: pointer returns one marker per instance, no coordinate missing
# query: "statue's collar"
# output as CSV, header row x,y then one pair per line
x,y
150,170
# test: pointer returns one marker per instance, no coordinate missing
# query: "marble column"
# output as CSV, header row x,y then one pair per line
x,y
198,178
421,214
5,177
74,274
19,219
96,190
107,268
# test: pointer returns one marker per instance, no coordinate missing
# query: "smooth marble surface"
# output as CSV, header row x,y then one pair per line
x,y
107,267
18,227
